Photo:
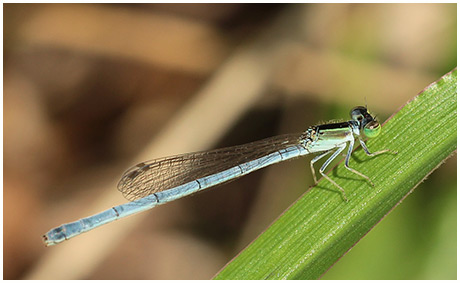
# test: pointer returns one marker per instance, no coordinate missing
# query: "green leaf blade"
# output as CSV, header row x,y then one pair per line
x,y
320,227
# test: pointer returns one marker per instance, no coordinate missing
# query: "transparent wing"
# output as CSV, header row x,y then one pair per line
x,y
163,174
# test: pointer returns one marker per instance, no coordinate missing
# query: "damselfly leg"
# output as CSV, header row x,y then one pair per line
x,y
340,148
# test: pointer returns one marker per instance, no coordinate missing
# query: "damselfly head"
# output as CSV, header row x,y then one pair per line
x,y
370,126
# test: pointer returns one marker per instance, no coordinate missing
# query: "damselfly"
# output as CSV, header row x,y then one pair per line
x,y
151,183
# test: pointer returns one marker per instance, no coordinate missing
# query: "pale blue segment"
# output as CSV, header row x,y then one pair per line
x,y
70,230
174,193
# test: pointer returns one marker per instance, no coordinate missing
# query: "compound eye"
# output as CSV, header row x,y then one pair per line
x,y
372,129
358,113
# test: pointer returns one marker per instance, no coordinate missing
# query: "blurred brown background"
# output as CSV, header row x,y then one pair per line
x,y
90,90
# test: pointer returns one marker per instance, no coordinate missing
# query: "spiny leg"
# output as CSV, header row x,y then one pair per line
x,y
328,161
313,162
363,144
347,160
